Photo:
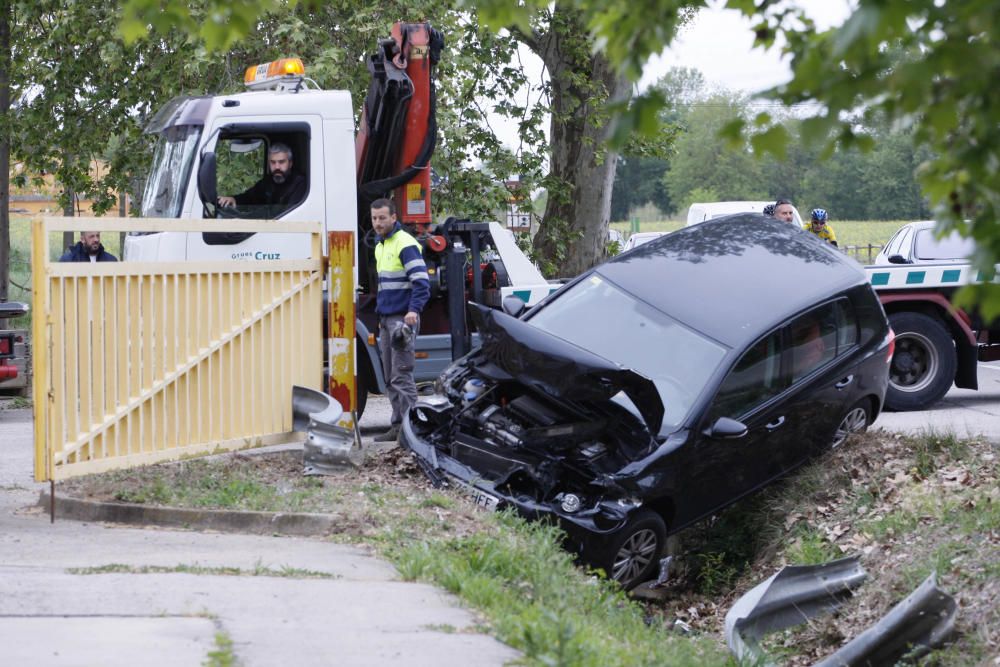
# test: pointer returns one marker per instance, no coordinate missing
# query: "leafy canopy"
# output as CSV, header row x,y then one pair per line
x,y
944,89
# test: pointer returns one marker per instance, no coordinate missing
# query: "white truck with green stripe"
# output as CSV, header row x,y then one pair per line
x,y
937,344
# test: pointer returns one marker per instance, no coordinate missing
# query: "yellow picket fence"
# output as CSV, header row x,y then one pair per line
x,y
139,362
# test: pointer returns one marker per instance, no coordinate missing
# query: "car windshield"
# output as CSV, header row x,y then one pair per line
x,y
175,151
598,316
952,246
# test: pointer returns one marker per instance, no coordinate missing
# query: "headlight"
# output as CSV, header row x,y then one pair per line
x,y
571,503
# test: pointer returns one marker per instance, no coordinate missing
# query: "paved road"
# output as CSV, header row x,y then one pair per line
x,y
964,412
363,615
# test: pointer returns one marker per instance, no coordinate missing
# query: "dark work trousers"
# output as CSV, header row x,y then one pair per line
x,y
397,368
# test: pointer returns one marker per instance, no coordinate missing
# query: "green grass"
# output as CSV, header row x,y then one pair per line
x,y
222,655
518,575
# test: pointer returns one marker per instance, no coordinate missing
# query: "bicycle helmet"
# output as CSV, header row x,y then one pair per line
x,y
769,210
819,215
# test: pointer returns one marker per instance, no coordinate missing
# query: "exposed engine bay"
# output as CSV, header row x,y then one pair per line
x,y
525,443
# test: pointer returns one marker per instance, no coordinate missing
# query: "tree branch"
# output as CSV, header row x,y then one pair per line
x,y
533,41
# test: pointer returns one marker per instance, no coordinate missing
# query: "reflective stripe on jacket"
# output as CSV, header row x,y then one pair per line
x,y
403,285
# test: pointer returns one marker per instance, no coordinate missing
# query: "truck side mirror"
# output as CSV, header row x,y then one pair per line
x,y
513,305
897,259
206,180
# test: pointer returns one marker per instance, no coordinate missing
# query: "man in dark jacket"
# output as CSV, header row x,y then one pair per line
x,y
89,249
280,190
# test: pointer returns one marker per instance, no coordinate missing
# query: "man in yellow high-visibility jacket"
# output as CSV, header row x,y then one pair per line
x,y
403,291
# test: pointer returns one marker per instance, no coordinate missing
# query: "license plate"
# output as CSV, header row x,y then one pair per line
x,y
479,497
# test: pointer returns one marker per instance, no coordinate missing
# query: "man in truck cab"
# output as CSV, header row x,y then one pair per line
x,y
280,190
403,291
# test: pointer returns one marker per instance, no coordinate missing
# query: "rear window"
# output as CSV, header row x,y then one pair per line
x,y
952,246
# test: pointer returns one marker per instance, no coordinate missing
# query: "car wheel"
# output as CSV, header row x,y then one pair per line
x,y
631,556
923,366
856,420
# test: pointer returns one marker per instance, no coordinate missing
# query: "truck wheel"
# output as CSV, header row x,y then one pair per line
x,y
632,554
923,365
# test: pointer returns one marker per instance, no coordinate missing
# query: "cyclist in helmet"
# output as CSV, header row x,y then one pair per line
x,y
819,225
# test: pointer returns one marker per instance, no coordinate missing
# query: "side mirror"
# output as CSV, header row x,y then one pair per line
x,y
206,180
897,259
727,429
513,305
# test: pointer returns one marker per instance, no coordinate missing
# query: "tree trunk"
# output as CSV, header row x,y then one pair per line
x,y
5,21
69,210
573,234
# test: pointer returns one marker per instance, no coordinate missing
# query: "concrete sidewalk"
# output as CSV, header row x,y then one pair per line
x,y
52,613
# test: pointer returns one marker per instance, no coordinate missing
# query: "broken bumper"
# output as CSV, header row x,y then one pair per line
x,y
594,523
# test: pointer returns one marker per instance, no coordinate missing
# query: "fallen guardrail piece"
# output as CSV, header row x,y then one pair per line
x,y
791,596
329,448
924,620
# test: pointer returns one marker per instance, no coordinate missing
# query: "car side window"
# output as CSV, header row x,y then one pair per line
x,y
755,379
899,244
821,335
847,326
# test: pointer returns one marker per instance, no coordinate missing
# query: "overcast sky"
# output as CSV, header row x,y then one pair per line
x,y
720,44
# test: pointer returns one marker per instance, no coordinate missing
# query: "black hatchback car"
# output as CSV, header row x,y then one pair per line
x,y
661,386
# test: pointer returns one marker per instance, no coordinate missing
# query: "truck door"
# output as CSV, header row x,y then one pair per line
x,y
242,155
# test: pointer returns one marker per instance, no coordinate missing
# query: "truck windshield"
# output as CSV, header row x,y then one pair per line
x,y
164,193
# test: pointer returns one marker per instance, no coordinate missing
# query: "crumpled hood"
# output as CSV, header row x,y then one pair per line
x,y
558,368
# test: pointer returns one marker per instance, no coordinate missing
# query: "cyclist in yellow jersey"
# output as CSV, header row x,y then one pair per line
x,y
820,226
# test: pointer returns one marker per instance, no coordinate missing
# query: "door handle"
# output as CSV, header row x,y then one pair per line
x,y
775,424
846,381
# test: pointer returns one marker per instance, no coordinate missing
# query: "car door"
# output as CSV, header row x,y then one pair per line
x,y
824,383
719,470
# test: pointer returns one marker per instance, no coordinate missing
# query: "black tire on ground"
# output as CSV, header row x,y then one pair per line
x,y
632,555
855,420
923,364
364,382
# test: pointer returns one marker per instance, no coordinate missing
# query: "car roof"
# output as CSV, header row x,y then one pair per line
x,y
734,278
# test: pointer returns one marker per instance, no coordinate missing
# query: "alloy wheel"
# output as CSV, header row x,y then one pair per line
x,y
855,421
634,555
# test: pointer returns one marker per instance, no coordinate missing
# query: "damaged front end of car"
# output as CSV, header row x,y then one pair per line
x,y
534,423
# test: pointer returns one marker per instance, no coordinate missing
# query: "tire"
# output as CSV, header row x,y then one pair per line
x,y
364,382
632,554
855,420
924,362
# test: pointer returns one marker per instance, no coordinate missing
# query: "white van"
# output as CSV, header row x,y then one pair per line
x,y
702,212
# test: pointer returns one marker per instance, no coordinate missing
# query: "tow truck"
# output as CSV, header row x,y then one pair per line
x,y
217,145
937,344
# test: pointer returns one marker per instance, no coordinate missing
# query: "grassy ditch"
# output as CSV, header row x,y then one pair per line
x,y
907,505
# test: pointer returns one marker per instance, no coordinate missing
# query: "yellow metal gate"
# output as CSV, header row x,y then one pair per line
x,y
138,362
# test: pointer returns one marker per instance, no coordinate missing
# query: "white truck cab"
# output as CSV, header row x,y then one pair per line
x,y
237,130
